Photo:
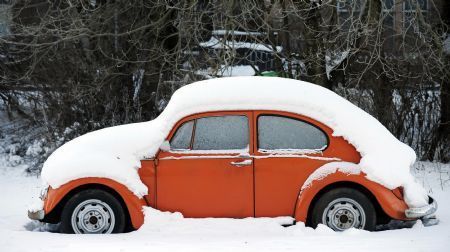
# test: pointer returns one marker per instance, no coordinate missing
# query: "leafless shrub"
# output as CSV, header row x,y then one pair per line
x,y
106,62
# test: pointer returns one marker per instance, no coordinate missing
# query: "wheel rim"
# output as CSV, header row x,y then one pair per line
x,y
344,213
93,216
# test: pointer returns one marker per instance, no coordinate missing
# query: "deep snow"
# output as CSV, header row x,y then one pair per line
x,y
115,152
171,232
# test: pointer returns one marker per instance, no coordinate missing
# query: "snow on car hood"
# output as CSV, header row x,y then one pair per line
x,y
115,152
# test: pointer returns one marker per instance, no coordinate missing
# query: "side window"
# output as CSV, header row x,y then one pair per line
x,y
182,138
221,133
282,133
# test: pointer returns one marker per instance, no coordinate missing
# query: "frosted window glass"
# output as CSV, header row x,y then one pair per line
x,y
276,132
182,138
221,133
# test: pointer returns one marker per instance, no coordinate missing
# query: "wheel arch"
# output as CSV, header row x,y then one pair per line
x,y
57,199
380,214
387,205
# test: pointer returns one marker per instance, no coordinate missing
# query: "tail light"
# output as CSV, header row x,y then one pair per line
x,y
398,192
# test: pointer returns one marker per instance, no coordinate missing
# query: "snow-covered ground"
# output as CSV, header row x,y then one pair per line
x,y
171,232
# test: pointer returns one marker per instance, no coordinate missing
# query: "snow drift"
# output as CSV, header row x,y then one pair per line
x,y
115,152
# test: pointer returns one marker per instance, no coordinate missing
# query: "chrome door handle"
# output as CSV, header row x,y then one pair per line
x,y
242,163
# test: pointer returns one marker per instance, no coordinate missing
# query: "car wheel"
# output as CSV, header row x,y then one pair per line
x,y
93,211
344,208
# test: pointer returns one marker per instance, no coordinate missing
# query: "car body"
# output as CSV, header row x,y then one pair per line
x,y
248,163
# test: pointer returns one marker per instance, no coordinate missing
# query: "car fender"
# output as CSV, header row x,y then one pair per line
x,y
391,205
133,203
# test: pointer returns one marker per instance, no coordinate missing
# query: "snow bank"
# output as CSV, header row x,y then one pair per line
x,y
217,43
184,234
239,70
115,152
156,221
228,71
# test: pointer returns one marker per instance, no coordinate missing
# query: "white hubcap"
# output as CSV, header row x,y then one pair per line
x,y
344,213
93,217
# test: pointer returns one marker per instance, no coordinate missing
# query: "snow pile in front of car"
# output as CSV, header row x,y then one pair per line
x,y
115,152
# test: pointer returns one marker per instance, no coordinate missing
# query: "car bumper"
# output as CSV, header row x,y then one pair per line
x,y
36,212
36,215
425,213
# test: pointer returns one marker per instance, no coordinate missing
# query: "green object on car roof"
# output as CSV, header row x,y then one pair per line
x,y
269,74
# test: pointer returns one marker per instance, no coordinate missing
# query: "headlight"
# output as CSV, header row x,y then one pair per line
x,y
43,193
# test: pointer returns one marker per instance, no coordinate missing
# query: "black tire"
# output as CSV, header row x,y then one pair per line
x,y
317,214
93,194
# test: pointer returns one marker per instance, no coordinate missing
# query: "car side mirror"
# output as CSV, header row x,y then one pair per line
x,y
165,146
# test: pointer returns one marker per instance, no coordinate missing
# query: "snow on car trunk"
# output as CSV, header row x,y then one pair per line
x,y
115,152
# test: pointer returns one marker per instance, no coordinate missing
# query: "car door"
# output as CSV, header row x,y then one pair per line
x,y
288,149
208,171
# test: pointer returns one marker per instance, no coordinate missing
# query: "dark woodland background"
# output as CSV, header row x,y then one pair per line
x,y
73,66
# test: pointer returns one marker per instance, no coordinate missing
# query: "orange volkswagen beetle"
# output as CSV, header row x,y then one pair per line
x,y
253,170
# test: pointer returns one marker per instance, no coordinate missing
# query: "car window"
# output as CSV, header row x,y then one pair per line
x,y
182,138
283,133
221,133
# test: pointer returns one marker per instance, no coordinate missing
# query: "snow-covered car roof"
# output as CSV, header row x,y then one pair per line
x,y
115,152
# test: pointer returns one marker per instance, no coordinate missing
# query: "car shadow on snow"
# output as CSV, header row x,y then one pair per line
x,y
395,224
37,226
